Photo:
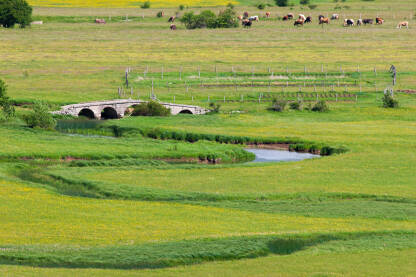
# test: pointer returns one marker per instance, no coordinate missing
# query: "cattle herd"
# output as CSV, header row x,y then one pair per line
x,y
302,19
247,21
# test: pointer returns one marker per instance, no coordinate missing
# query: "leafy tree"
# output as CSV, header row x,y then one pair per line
x,y
40,117
5,103
282,3
15,12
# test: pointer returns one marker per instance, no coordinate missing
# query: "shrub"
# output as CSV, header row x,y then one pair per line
x,y
5,103
282,3
214,108
278,105
261,6
304,2
159,14
40,117
296,105
150,108
320,106
181,7
230,5
203,20
145,5
15,12
389,101
227,19
207,19
312,6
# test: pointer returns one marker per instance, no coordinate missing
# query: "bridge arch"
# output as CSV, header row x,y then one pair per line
x,y
109,113
186,111
87,113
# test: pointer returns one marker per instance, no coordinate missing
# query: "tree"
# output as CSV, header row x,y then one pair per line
x,y
5,103
282,3
40,117
15,12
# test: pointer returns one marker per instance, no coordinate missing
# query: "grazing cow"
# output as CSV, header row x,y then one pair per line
x,y
403,24
285,18
254,18
321,16
245,14
172,27
267,14
323,20
367,21
99,21
348,22
246,23
172,19
303,17
290,15
240,17
359,22
299,22
335,16
379,20
308,19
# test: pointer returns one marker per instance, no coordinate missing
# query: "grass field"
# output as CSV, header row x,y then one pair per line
x,y
85,202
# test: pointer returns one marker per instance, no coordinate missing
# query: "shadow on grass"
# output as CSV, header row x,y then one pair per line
x,y
170,254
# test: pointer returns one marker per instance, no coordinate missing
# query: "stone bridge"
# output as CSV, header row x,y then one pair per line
x,y
113,109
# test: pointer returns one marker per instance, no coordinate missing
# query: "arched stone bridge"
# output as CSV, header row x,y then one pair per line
x,y
112,109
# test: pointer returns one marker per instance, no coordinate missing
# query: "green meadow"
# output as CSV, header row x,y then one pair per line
x,y
179,195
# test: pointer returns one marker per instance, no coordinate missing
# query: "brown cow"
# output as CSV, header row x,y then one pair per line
x,y
172,19
285,18
323,20
245,14
172,27
299,22
403,24
267,14
290,15
379,20
240,17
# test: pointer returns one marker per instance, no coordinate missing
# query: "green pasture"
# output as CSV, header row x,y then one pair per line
x,y
102,199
